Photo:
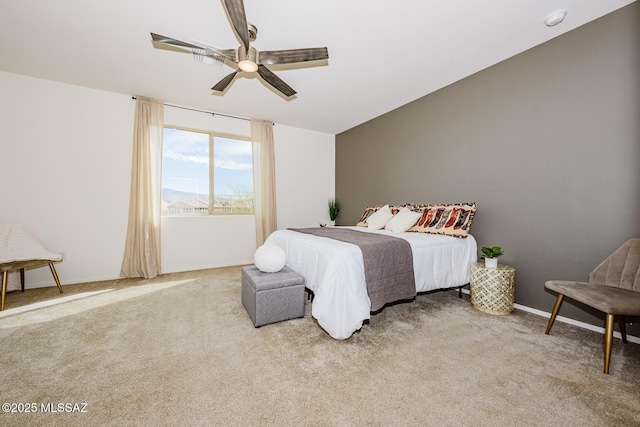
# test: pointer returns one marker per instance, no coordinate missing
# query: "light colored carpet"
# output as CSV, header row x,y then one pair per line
x,y
181,350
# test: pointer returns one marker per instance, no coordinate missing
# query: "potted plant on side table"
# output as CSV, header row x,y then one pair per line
x,y
491,255
334,210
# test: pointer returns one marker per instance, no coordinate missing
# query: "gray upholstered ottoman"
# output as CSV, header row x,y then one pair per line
x,y
272,297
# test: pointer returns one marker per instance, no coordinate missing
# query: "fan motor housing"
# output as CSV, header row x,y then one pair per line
x,y
252,55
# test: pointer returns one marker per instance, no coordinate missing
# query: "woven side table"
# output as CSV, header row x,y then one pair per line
x,y
491,289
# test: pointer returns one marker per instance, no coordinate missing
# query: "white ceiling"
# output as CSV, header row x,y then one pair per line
x,y
382,54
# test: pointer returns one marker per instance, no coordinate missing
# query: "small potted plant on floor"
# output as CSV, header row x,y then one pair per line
x,y
334,210
491,255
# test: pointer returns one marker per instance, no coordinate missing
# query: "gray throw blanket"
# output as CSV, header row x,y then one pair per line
x,y
388,263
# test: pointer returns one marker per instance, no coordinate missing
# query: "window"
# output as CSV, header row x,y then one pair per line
x,y
194,163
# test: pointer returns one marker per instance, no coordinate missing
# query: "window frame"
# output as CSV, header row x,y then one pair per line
x,y
212,135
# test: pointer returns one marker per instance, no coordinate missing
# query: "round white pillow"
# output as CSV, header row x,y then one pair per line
x,y
270,258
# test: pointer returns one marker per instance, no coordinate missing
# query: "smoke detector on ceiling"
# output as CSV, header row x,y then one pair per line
x,y
555,18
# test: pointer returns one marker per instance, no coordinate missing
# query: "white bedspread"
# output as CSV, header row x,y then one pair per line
x,y
334,271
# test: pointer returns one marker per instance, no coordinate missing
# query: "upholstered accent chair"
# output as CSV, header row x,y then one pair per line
x,y
613,288
20,251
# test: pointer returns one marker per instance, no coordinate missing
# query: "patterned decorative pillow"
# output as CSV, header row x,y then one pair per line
x,y
396,208
450,220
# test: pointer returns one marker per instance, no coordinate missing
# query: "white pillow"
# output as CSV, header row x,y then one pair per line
x,y
403,220
270,258
378,219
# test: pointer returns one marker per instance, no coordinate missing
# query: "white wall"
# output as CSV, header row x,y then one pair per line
x,y
66,169
305,176
65,173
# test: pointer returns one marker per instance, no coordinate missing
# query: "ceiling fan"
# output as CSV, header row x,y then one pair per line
x,y
246,58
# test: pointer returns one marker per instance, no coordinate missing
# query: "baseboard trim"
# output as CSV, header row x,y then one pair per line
x,y
573,322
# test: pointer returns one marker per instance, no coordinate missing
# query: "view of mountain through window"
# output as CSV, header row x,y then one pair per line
x,y
194,163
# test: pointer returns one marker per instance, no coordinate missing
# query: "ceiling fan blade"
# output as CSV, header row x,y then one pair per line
x,y
168,40
214,53
222,84
293,55
275,81
230,54
235,10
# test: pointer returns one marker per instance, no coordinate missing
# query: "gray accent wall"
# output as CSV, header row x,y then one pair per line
x,y
546,142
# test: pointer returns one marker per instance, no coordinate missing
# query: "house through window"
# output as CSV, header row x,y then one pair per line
x,y
206,174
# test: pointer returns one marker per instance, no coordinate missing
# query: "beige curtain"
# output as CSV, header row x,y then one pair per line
x,y
142,247
264,180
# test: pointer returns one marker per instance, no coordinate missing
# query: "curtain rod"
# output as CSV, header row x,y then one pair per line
x,y
202,111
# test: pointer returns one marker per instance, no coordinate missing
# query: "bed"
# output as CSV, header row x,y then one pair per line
x,y
334,271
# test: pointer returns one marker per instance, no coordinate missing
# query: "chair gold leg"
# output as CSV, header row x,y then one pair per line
x,y
4,288
608,342
554,313
55,276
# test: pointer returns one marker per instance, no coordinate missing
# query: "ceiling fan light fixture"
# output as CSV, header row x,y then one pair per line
x,y
247,61
248,66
